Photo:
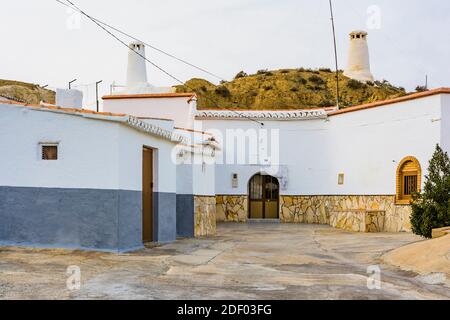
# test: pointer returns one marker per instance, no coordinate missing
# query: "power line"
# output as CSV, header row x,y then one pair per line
x,y
335,56
149,61
151,46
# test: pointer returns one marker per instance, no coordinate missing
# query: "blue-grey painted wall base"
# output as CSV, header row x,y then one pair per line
x,y
185,216
88,219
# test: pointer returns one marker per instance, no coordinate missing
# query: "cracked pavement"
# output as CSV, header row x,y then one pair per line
x,y
244,261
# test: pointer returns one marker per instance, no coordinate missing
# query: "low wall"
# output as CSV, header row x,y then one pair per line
x,y
231,208
204,216
319,209
196,216
358,220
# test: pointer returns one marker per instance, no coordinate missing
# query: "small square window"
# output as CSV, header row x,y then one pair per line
x,y
49,152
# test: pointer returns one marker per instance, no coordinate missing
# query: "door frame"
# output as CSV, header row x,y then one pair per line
x,y
151,217
263,196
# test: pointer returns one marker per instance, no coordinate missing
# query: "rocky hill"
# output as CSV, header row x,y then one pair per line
x,y
277,89
26,92
288,89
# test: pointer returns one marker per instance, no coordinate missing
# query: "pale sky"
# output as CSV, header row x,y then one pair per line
x,y
43,43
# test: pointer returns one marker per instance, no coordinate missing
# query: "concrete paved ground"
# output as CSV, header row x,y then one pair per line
x,y
246,261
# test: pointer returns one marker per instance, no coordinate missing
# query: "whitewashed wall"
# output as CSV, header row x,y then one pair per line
x,y
175,108
368,145
445,120
195,178
365,145
93,154
204,176
130,161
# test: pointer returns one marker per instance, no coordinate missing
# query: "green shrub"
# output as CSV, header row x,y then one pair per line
x,y
326,103
264,72
327,70
421,88
431,208
316,80
241,74
223,91
301,80
355,84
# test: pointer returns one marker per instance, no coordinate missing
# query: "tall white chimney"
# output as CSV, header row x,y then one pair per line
x,y
358,59
137,70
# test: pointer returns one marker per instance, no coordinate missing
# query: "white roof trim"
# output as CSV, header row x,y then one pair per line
x,y
262,115
153,129
128,120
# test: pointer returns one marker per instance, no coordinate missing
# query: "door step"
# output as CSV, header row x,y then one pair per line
x,y
263,220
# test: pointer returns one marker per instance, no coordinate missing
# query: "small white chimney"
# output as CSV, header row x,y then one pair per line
x,y
69,98
137,70
358,59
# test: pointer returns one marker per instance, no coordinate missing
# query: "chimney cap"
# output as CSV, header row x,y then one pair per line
x,y
136,43
358,32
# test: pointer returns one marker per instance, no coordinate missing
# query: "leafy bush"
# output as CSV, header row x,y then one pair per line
x,y
355,84
421,88
241,74
264,72
328,70
223,91
294,89
315,87
326,103
284,71
316,80
302,80
431,208
268,88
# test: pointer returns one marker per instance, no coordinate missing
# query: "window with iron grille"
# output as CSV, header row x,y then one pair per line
x,y
49,152
409,185
408,180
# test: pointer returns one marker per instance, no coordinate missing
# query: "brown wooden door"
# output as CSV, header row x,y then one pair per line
x,y
263,197
147,195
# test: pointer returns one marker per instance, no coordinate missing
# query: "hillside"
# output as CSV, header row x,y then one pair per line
x,y
26,92
287,89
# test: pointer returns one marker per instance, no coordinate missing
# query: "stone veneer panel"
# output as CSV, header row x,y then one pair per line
x,y
204,216
318,209
358,220
232,208
377,213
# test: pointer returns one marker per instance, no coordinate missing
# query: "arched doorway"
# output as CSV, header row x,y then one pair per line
x,y
264,192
